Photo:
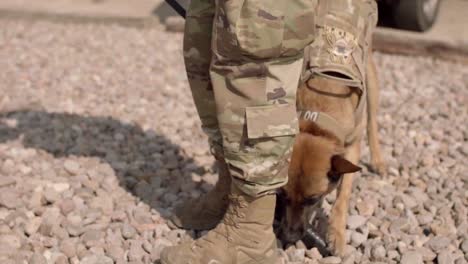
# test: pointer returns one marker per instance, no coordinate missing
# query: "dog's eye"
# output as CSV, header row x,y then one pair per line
x,y
333,176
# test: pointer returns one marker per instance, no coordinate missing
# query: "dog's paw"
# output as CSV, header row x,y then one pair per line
x,y
336,241
379,167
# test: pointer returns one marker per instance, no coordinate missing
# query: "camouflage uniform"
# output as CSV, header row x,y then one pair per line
x,y
244,60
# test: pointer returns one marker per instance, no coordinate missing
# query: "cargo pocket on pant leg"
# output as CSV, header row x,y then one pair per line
x,y
264,156
271,121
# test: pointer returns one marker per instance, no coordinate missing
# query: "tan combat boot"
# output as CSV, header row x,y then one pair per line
x,y
245,236
205,212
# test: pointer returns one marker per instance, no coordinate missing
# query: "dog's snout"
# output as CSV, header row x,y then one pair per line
x,y
291,233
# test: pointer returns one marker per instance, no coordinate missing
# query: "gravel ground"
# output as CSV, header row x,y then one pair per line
x,y
99,139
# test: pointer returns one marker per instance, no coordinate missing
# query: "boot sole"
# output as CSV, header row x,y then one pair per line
x,y
275,259
173,225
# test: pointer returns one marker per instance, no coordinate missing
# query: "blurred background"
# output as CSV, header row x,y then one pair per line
x,y
413,22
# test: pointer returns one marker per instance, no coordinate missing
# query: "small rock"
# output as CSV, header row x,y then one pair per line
x,y
32,226
464,246
393,254
60,232
412,257
72,167
142,216
52,216
159,245
427,254
357,238
21,257
379,252
402,247
10,199
350,259
106,204
445,258
425,218
355,221
51,195
66,206
175,235
37,199
128,231
349,250
81,250
68,248
6,181
443,229
438,243
400,225
60,187
59,258
330,260
37,258
365,208
147,246
74,229
7,261
295,255
313,253
96,259
114,251
10,241
91,237
136,252
118,216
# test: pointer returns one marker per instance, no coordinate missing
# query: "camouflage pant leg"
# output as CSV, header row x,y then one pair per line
x,y
257,61
197,55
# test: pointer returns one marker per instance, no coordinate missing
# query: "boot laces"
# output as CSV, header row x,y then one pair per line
x,y
230,222
234,211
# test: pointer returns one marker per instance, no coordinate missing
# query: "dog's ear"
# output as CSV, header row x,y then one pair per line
x,y
340,165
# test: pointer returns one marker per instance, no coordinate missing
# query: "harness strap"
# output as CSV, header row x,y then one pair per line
x,y
329,123
325,121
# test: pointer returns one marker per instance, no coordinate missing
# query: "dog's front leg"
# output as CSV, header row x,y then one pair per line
x,y
339,213
377,162
338,217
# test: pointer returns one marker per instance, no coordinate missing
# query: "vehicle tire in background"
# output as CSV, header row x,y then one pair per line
x,y
416,15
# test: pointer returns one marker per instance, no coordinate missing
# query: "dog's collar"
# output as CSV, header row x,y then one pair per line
x,y
324,121
329,123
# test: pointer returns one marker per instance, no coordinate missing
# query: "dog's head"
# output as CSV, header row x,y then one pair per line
x,y
316,168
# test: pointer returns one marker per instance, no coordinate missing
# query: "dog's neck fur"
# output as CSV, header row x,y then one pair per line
x,y
313,129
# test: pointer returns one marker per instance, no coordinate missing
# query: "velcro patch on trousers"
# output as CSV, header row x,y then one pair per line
x,y
271,121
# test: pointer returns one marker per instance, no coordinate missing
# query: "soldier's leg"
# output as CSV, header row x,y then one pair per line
x,y
257,62
197,57
258,58
205,212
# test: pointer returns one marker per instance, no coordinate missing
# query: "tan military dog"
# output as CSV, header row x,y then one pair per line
x,y
321,163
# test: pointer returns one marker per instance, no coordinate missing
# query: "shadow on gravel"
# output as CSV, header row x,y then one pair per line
x,y
134,154
138,158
